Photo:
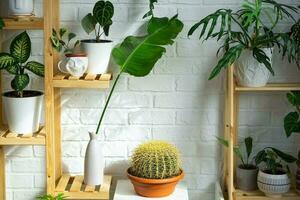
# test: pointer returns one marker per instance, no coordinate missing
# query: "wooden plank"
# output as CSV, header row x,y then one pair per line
x,y
57,131
106,184
59,77
3,130
11,135
90,77
62,184
74,78
105,77
2,174
276,87
22,141
34,23
81,84
89,188
77,183
258,195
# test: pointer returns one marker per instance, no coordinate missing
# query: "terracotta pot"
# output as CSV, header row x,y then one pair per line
x,y
154,187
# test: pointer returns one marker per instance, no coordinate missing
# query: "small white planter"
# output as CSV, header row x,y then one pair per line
x,y
249,72
273,185
94,162
21,7
23,114
98,55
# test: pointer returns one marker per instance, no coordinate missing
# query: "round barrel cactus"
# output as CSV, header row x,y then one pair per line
x,y
155,160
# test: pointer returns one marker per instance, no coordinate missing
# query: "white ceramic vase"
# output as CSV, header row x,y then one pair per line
x,y
23,114
74,64
94,162
249,72
98,55
21,7
273,186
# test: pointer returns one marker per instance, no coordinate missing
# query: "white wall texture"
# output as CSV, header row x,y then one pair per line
x,y
174,103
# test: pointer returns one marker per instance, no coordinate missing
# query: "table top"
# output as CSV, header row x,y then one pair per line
x,y
125,191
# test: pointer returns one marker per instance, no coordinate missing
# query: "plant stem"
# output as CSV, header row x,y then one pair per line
x,y
107,102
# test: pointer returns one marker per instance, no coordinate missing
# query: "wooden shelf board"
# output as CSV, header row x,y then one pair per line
x,y
74,188
270,87
8,138
258,195
86,81
28,23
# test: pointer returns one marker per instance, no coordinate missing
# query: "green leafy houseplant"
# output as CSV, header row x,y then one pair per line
x,y
61,40
137,55
291,120
252,32
60,196
102,16
15,63
246,163
155,160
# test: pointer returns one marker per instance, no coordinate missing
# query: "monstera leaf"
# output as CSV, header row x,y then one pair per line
x,y
138,55
20,47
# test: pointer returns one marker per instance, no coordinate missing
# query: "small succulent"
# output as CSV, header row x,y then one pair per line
x,y
155,160
59,43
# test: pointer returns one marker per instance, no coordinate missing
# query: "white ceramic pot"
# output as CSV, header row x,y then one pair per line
x,y
273,186
74,64
94,162
98,54
21,7
249,72
23,114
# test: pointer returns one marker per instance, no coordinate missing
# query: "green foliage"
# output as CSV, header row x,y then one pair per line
x,y
61,40
251,33
272,159
151,7
155,160
291,120
295,32
60,196
15,62
102,15
1,23
137,55
245,159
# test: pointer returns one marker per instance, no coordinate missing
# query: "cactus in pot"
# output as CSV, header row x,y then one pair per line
x,y
155,169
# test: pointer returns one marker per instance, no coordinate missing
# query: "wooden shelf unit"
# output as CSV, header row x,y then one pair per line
x,y
231,134
50,135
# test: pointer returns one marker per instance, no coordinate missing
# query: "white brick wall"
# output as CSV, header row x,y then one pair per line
x,y
175,103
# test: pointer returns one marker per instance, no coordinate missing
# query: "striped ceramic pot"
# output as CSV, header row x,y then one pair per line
x,y
273,186
298,180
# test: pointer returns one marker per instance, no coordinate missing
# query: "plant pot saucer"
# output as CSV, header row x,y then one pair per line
x,y
154,187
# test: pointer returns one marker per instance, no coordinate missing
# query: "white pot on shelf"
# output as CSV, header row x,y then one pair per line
x,y
98,55
94,162
273,186
249,72
21,7
23,114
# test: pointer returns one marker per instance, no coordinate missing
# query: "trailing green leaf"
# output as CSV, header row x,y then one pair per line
x,y
36,68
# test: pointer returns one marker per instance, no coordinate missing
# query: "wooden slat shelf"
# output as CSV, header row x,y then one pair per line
x,y
270,88
258,195
8,138
74,188
32,23
86,81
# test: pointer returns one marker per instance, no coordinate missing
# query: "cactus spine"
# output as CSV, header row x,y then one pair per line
x,y
156,160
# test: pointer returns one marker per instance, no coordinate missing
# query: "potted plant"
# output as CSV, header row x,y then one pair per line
x,y
246,173
155,169
98,50
60,196
74,63
28,102
250,44
136,55
21,7
291,120
273,179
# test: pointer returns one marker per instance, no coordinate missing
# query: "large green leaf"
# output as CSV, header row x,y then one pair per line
x,y
294,98
286,157
138,55
249,145
291,123
103,12
13,69
20,82
6,60
36,68
1,23
20,47
88,23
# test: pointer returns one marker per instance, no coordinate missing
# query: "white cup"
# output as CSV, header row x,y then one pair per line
x,y
21,7
74,64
